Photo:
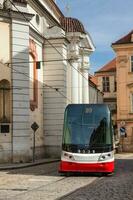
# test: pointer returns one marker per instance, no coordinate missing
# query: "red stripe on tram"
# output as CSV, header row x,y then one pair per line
x,y
86,167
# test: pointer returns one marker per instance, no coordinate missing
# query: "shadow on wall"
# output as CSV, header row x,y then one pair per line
x,y
28,102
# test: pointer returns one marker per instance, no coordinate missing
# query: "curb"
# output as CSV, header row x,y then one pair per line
x,y
25,165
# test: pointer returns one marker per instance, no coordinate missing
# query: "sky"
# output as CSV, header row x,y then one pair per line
x,y
105,20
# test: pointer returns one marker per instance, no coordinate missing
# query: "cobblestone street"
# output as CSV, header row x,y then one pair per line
x,y
44,182
117,187
39,182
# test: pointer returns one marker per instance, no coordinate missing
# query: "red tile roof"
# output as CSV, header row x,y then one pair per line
x,y
72,25
125,40
110,66
93,79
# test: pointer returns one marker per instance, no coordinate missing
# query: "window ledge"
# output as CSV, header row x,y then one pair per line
x,y
131,113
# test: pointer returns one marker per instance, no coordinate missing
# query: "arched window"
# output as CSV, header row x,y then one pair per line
x,y
4,101
33,76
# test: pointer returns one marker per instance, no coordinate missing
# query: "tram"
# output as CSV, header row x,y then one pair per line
x,y
87,144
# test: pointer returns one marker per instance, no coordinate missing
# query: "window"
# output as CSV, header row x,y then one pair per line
x,y
5,128
106,85
115,86
131,134
131,102
131,63
4,101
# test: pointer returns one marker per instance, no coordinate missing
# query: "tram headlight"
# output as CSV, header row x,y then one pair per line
x,y
68,156
103,157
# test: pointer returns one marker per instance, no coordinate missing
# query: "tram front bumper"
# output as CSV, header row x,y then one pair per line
x,y
86,167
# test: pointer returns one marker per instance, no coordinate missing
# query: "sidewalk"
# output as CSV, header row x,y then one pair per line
x,y
124,155
9,166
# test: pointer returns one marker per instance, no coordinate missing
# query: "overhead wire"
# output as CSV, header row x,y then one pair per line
x,y
46,38
25,74
57,89
46,85
51,87
39,61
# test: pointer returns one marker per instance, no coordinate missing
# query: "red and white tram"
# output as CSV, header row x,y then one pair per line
x,y
87,144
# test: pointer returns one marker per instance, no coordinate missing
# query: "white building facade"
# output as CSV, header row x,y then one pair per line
x,y
44,66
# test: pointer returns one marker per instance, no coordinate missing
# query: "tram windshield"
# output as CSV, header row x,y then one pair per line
x,y
87,127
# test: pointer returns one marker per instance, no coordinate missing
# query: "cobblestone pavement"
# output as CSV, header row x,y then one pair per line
x,y
38,182
117,187
44,183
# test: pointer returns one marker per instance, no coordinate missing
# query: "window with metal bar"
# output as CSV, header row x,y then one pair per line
x,y
106,84
131,63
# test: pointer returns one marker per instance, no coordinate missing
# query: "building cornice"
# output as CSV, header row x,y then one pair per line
x,y
102,72
58,38
36,35
20,1
130,85
85,51
121,46
42,39
126,119
15,14
45,11
109,99
56,8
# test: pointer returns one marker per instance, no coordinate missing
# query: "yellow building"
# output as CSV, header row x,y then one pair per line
x,y
106,82
124,70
